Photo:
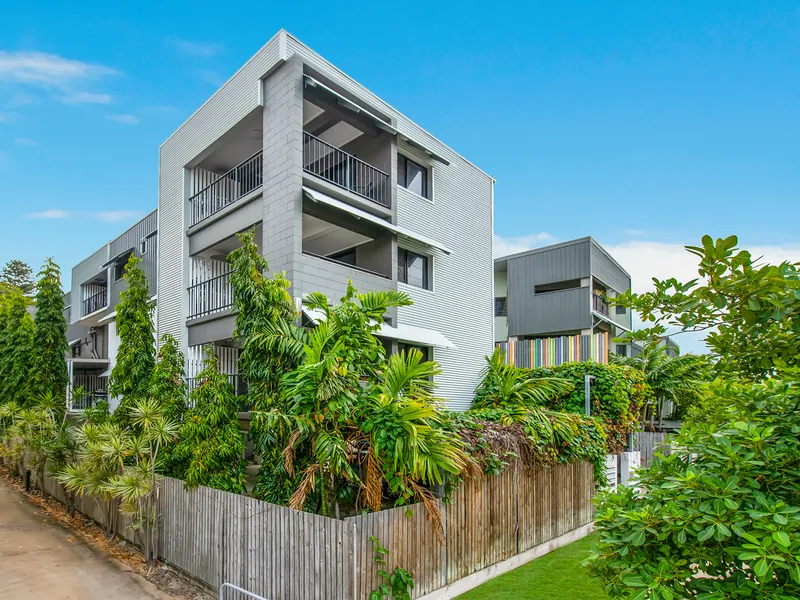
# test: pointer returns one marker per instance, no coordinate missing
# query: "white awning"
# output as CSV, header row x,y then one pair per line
x,y
422,148
73,342
106,373
314,315
88,361
416,335
316,196
609,320
109,317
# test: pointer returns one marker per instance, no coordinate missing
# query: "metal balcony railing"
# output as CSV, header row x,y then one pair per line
x,y
95,302
230,187
346,171
599,304
210,296
86,400
239,384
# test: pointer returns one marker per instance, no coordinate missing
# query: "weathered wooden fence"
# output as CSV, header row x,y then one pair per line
x,y
650,442
488,521
280,553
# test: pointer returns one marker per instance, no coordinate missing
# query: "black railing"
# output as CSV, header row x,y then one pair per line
x,y
230,187
347,171
210,296
95,302
87,400
599,304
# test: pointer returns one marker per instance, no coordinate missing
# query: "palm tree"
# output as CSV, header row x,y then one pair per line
x,y
678,380
506,386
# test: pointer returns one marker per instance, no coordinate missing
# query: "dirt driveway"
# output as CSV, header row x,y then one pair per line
x,y
39,558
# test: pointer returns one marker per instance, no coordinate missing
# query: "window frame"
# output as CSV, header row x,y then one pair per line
x,y
121,265
504,312
427,271
621,310
426,171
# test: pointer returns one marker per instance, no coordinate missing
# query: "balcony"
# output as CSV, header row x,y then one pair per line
x,y
211,296
346,171
240,181
96,301
599,304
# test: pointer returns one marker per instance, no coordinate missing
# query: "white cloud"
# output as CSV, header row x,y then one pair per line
x,y
50,213
211,77
109,216
47,70
124,119
20,141
84,98
198,49
503,246
634,232
115,216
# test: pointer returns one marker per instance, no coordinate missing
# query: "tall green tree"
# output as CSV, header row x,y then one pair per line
x,y
50,333
168,390
20,275
211,444
751,310
17,357
136,356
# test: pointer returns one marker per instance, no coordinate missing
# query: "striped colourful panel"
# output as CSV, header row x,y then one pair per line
x,y
551,352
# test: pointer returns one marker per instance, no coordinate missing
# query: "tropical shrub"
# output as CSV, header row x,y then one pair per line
x,y
749,310
618,395
720,517
210,443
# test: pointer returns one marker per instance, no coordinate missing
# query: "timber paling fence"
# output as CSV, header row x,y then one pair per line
x,y
283,554
650,442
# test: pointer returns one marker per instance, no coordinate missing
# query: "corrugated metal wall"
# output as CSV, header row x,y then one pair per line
x,y
85,270
132,240
229,105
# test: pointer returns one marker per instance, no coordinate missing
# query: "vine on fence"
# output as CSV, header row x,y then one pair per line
x,y
396,585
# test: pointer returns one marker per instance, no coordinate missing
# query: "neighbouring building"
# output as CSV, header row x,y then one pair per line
x,y
560,290
89,308
337,186
671,347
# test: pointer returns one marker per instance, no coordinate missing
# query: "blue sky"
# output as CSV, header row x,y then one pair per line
x,y
642,124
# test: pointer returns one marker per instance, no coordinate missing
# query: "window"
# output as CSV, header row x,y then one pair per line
x,y
622,350
119,266
143,246
402,347
412,268
76,351
412,176
620,310
500,307
345,256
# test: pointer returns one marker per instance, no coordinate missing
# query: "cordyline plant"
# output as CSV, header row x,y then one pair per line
x,y
720,517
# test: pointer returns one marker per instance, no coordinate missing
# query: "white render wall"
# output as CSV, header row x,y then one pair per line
x,y
459,215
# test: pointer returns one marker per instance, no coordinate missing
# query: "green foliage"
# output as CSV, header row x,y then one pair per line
x,y
680,380
168,389
618,394
750,310
396,585
130,378
721,516
19,274
507,386
50,333
17,351
210,443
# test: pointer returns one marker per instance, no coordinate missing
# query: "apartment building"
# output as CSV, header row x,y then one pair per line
x,y
338,186
558,290
89,308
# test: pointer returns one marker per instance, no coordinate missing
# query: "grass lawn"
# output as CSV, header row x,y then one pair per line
x,y
555,576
